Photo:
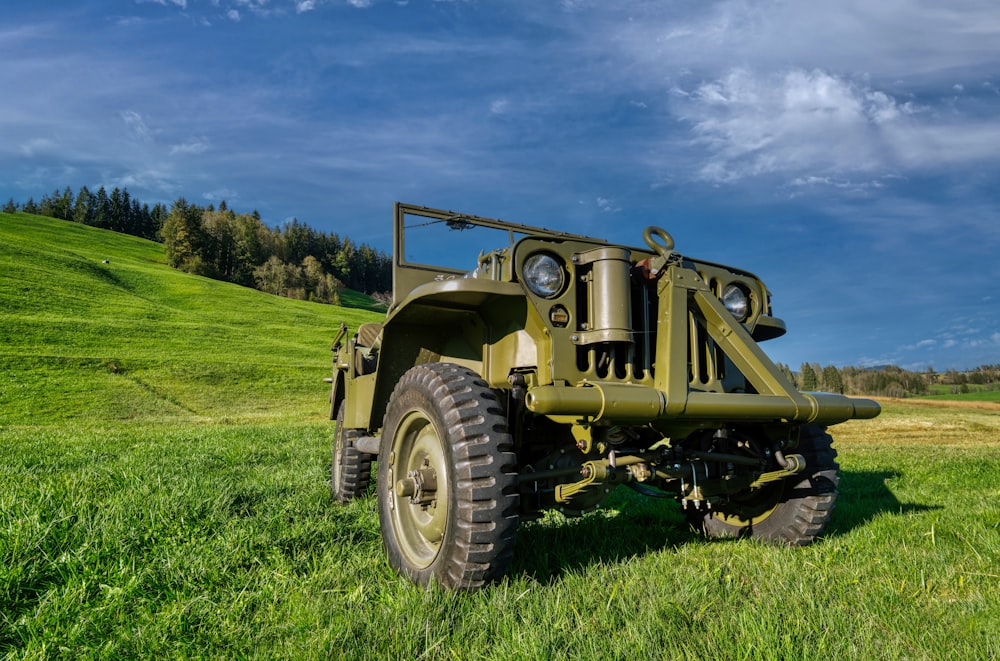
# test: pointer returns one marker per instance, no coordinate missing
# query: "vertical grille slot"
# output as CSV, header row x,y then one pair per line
x,y
607,361
706,361
633,362
626,361
644,315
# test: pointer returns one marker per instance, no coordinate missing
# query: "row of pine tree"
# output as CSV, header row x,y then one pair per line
x,y
117,211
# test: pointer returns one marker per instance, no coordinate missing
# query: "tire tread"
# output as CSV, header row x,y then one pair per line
x,y
485,477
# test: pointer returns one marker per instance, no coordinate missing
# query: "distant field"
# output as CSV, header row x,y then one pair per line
x,y
975,394
163,493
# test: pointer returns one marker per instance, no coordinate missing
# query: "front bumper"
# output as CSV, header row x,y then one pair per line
x,y
637,404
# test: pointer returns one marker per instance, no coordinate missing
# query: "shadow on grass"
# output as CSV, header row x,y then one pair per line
x,y
864,495
629,525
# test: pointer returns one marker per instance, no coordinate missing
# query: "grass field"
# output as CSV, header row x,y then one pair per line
x,y
163,493
977,393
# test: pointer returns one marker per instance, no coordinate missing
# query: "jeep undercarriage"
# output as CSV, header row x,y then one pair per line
x,y
557,368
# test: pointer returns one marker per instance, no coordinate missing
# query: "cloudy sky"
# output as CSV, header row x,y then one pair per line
x,y
846,151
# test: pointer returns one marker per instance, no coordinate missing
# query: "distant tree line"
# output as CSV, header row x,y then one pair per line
x,y
292,260
117,211
888,380
984,375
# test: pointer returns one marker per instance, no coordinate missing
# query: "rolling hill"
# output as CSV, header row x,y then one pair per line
x,y
94,326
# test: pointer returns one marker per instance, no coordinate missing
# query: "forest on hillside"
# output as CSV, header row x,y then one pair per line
x,y
292,260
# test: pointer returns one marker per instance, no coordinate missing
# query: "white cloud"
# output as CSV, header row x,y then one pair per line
x,y
939,145
607,205
179,3
198,146
500,106
148,178
814,125
891,40
233,15
305,5
800,121
220,194
850,90
137,125
129,21
258,7
36,146
965,335
846,184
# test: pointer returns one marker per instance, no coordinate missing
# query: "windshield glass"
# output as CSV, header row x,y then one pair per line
x,y
452,243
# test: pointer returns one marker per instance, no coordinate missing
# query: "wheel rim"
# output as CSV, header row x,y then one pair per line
x,y
418,489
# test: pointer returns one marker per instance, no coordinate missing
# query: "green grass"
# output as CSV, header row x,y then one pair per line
x,y
354,299
163,493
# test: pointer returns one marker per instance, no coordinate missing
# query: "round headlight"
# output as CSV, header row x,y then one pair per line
x,y
544,275
736,299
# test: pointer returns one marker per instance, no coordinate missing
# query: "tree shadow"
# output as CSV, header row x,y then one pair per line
x,y
629,525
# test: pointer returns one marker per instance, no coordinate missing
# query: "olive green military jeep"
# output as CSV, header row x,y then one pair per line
x,y
521,369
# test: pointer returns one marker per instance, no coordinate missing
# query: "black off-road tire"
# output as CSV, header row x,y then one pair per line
x,y
351,469
445,429
793,511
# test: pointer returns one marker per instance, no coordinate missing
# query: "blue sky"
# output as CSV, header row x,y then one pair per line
x,y
848,152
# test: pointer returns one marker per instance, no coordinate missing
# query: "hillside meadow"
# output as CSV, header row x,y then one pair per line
x,y
97,328
164,466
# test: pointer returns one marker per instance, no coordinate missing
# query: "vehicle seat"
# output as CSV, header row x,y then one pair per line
x,y
368,335
366,345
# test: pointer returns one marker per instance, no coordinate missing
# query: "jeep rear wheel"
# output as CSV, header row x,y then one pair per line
x,y
447,479
351,469
793,511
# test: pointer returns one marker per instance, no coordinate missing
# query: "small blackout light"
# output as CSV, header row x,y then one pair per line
x,y
559,316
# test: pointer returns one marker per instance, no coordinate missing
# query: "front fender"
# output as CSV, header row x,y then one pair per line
x,y
442,321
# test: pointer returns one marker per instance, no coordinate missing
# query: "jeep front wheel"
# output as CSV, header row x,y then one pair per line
x,y
447,479
793,511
